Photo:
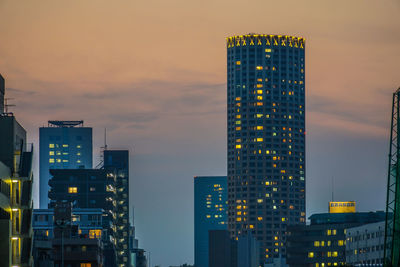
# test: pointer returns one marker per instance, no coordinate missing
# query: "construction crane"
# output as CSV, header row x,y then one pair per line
x,y
392,226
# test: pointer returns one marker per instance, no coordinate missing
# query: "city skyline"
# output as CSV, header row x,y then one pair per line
x,y
66,62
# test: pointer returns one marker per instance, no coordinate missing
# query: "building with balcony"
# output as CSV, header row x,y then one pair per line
x,y
15,193
62,145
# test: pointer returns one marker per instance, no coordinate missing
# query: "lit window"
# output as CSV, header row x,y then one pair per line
x,y
316,243
78,146
238,62
72,190
65,145
268,50
238,146
58,160
51,145
260,218
260,139
95,233
85,264
259,67
51,153
334,254
341,243
328,232
78,161
78,154
51,160
334,232
208,216
92,189
311,254
65,160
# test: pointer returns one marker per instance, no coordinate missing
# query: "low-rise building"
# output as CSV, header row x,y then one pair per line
x,y
364,244
323,242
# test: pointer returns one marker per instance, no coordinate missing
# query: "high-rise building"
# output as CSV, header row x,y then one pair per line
x,y
266,137
116,164
62,145
15,192
2,93
210,213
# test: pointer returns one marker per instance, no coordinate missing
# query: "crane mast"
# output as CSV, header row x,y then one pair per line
x,y
392,226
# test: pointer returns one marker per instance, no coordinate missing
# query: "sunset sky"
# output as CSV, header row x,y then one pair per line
x,y
153,72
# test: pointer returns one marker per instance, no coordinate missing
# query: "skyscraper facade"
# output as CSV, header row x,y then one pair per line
x,y
62,145
266,137
210,213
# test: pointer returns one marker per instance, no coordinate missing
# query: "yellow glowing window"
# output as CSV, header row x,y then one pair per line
x,y
78,161
58,160
51,145
78,154
334,232
259,218
329,254
328,232
328,243
316,243
238,122
238,98
260,139
259,115
268,50
65,145
259,97
238,116
238,146
78,146
283,219
251,226
260,127
238,128
72,190
341,243
259,80
259,103
311,254
51,153
65,160
259,92
238,62
334,254
239,219
259,85
95,233
260,200
259,67
85,264
51,160
208,216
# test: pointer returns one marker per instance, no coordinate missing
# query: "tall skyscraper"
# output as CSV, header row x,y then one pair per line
x,y
62,145
210,213
266,137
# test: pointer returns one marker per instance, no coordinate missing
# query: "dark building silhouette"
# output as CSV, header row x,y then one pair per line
x,y
323,242
222,249
15,190
266,137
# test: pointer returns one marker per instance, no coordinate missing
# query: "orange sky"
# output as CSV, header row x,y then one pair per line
x,y
153,73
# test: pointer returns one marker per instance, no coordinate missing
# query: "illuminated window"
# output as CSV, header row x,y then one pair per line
x,y
334,254
311,254
51,153
238,62
259,115
78,154
65,145
58,160
85,264
259,67
328,232
72,190
316,243
51,160
260,139
65,160
334,232
78,146
341,243
95,233
268,50
238,146
51,145
208,216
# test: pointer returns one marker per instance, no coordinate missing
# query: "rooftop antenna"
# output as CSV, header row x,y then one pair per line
x,y
6,105
102,149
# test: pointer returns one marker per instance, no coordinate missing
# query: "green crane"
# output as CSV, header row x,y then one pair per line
x,y
392,227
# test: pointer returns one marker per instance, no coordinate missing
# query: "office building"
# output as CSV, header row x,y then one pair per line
x,y
323,242
266,137
116,165
15,191
364,244
62,145
210,213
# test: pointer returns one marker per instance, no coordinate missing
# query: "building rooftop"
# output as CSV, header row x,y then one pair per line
x,y
340,218
66,124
